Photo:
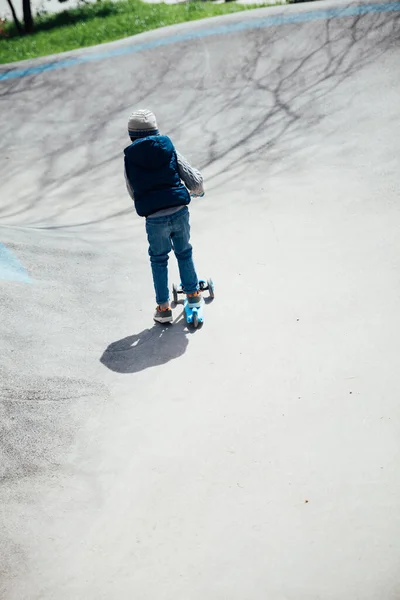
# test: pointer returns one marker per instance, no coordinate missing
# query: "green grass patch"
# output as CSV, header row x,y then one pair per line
x,y
102,22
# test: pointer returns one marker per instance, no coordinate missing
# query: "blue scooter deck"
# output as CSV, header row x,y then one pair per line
x,y
193,312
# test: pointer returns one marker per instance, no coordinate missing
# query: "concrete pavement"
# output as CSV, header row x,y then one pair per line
x,y
255,458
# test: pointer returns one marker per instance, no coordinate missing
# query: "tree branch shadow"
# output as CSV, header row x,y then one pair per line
x,y
240,107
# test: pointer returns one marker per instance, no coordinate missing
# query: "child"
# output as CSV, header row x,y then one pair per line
x,y
154,171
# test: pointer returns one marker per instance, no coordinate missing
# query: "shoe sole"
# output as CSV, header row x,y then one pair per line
x,y
163,320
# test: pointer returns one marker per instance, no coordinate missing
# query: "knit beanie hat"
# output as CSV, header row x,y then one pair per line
x,y
141,124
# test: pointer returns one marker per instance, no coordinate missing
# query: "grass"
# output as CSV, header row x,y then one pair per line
x,y
101,22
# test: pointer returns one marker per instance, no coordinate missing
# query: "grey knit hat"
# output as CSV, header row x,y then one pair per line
x,y
142,123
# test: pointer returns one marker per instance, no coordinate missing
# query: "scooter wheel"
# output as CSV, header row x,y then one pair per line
x,y
175,293
195,320
210,288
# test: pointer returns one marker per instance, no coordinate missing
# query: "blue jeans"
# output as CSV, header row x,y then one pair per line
x,y
165,234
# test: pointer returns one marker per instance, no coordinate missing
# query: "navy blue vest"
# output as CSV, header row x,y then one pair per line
x,y
151,167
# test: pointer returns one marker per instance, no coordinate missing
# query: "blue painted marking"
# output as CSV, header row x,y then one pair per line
x,y
10,268
272,21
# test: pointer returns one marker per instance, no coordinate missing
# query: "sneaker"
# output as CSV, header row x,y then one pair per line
x,y
163,315
194,299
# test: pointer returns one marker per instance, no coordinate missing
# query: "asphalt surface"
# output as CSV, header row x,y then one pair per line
x,y
259,456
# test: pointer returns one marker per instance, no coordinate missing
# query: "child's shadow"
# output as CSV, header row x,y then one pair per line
x,y
149,348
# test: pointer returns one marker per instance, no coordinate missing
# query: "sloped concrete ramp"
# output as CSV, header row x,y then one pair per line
x,y
257,458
